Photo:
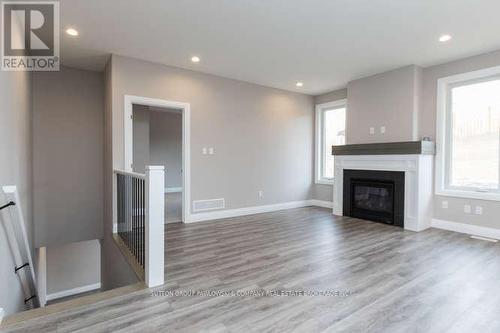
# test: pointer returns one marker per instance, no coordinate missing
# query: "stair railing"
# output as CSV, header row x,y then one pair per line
x,y
14,224
138,221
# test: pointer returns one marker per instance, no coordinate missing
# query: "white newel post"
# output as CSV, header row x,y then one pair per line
x,y
154,228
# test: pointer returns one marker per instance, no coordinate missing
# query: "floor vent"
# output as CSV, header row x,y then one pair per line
x,y
204,205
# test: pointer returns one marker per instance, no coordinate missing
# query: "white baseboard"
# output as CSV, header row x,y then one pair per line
x,y
173,189
71,292
466,228
321,203
226,213
173,221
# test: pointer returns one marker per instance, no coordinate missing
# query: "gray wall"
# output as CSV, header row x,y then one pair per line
x,y
491,209
157,140
73,265
141,144
67,156
423,83
115,271
166,145
321,191
269,130
388,99
15,169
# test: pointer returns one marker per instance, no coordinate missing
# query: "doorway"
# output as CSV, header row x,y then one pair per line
x,y
157,133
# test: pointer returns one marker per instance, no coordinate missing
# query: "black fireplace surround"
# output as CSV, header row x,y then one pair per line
x,y
374,195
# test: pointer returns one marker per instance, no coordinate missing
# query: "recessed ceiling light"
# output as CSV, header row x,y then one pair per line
x,y
444,38
72,32
299,84
195,59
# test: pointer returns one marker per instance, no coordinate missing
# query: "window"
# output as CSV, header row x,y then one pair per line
x,y
330,131
468,161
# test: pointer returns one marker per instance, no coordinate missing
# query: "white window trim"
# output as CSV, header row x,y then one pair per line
x,y
443,87
318,153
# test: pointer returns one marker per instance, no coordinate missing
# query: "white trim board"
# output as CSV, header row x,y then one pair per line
x,y
227,213
74,291
464,228
2,313
322,203
443,134
173,189
319,137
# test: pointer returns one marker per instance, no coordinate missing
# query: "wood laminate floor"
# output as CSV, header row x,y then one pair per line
x,y
396,281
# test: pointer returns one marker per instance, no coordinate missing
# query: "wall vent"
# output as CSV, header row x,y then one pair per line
x,y
204,205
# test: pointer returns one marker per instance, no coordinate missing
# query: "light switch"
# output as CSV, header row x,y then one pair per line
x,y
211,151
382,129
372,130
467,209
204,151
479,210
444,204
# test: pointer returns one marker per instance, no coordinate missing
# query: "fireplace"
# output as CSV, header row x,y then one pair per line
x,y
374,195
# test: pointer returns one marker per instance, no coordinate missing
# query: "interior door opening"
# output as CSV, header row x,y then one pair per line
x,y
157,140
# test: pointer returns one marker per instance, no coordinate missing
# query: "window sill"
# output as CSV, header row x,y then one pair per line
x,y
324,182
469,195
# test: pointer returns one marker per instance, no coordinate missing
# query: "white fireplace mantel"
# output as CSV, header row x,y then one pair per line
x,y
418,171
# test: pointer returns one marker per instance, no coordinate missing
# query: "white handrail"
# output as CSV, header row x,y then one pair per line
x,y
129,173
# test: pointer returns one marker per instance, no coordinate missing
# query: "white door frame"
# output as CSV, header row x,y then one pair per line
x,y
129,101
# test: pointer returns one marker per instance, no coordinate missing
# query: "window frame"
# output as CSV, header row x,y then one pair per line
x,y
319,160
443,135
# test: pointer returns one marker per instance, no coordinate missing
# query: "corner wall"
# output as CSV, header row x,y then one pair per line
x,y
115,271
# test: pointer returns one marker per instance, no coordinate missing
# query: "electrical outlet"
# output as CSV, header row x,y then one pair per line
x,y
478,210
467,209
204,151
211,151
261,193
372,130
382,129
444,204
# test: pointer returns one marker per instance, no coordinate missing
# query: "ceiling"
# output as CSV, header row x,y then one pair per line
x,y
323,43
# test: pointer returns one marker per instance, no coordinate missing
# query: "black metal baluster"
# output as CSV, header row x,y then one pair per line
x,y
119,202
134,246
143,217
135,218
128,211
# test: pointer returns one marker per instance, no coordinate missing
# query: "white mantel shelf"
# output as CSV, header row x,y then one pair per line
x,y
418,169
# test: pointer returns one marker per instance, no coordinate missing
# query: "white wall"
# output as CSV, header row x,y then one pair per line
x,y
74,265
15,169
